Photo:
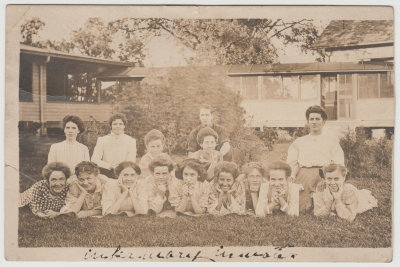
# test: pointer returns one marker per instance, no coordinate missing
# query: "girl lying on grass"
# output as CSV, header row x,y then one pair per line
x,y
159,183
85,191
227,195
126,195
278,194
46,197
336,197
253,177
189,193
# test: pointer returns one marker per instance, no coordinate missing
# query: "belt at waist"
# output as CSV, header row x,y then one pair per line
x,y
310,167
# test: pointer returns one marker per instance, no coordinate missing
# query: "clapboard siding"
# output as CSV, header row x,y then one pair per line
x,y
29,111
57,111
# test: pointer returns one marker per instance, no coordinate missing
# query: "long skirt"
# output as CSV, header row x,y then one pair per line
x,y
308,178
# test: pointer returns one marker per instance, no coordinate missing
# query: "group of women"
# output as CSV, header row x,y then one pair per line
x,y
112,183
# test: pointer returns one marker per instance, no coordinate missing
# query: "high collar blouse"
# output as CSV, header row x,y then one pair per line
x,y
315,151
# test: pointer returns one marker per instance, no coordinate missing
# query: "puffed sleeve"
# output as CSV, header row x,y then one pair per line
x,y
142,196
212,201
347,208
337,153
322,202
155,201
109,196
86,156
98,152
204,191
262,204
71,199
294,201
52,157
293,154
238,200
132,150
175,193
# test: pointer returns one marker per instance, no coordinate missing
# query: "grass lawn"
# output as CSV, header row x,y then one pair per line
x,y
370,229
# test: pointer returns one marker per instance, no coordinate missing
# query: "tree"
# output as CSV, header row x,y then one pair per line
x,y
30,29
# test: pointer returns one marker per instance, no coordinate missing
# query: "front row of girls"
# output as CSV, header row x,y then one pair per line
x,y
88,193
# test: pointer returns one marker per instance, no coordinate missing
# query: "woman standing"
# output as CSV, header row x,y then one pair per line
x,y
114,148
70,151
307,154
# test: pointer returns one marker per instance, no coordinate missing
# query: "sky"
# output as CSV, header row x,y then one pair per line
x,y
166,51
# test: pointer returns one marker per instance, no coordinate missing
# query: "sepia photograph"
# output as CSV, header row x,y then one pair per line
x,y
199,133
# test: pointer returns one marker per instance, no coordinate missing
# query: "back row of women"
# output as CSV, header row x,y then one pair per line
x,y
312,179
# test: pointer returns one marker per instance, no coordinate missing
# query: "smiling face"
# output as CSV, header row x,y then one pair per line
x,y
316,123
225,181
117,126
209,143
334,180
189,175
206,117
155,147
278,179
254,178
57,181
161,174
71,130
128,176
87,181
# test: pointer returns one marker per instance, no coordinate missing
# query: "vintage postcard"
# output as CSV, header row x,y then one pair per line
x,y
199,133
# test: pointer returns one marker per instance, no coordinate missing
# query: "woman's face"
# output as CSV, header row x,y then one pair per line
x,y
254,178
225,181
128,176
161,174
87,181
277,179
117,126
316,123
334,180
189,175
71,130
57,181
209,143
155,147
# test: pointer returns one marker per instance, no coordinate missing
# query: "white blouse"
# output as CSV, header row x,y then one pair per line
x,y
71,154
315,150
112,149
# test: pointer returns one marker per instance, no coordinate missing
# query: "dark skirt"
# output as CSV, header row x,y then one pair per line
x,y
308,178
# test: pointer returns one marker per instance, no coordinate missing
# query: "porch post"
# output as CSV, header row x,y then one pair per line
x,y
42,97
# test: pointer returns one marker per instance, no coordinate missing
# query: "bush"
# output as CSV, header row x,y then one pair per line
x,y
269,136
93,130
169,99
367,158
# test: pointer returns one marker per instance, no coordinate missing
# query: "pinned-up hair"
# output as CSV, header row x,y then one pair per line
x,y
153,135
279,165
86,167
332,167
116,117
247,168
75,119
206,131
316,109
160,161
207,106
127,164
56,166
226,166
194,164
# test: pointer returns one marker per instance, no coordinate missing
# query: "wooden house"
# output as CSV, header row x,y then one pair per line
x,y
53,84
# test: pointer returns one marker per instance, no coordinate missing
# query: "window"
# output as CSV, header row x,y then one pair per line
x,y
70,83
375,85
290,87
25,80
234,84
272,87
386,85
309,86
368,85
250,86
